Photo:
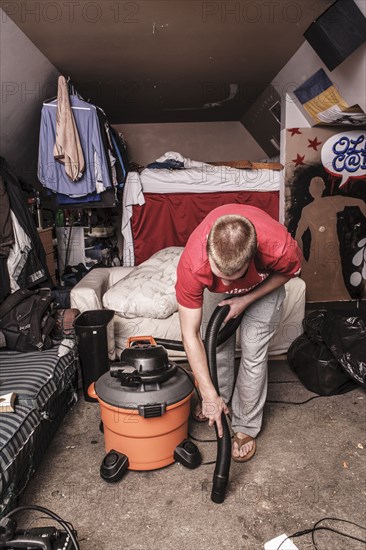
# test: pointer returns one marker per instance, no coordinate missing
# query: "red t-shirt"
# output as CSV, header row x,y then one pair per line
x,y
277,252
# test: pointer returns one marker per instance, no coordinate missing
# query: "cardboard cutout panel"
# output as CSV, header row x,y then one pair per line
x,y
325,194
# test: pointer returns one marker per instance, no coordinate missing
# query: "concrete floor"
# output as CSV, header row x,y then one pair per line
x,y
310,464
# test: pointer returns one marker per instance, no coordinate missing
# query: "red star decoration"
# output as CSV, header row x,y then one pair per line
x,y
299,161
294,131
314,143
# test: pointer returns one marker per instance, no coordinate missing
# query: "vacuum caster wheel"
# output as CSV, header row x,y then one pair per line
x,y
187,454
114,466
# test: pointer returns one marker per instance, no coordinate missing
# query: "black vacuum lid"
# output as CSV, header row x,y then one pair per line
x,y
144,376
147,359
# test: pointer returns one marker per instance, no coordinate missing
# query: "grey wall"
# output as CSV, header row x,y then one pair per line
x,y
27,78
204,141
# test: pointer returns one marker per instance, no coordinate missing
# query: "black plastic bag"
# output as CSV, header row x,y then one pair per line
x,y
313,325
345,336
317,368
327,357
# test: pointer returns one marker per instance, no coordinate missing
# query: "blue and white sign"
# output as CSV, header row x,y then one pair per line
x,y
345,155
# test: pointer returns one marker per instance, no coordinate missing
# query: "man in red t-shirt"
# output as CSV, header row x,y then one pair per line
x,y
242,251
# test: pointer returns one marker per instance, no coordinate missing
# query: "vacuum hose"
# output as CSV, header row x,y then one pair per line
x,y
215,337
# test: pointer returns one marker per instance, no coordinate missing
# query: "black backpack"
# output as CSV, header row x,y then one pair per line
x,y
26,320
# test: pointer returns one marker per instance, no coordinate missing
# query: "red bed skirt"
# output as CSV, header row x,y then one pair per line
x,y
169,219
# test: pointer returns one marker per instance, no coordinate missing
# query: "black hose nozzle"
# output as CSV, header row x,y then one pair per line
x,y
212,340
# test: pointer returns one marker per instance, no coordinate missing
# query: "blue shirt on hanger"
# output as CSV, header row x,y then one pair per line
x,y
52,173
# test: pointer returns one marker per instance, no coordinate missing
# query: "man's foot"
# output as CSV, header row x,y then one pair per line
x,y
198,415
244,447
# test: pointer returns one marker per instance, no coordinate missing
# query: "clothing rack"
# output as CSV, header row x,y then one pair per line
x,y
72,91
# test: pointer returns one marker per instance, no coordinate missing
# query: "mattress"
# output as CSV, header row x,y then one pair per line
x,y
292,315
45,387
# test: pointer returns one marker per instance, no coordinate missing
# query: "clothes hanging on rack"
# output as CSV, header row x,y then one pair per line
x,y
67,149
51,173
120,151
103,124
104,167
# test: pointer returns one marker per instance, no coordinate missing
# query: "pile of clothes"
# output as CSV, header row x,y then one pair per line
x,y
22,257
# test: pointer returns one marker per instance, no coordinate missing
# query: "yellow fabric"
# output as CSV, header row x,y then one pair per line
x,y
323,101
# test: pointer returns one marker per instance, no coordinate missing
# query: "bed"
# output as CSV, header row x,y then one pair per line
x,y
144,303
161,206
45,384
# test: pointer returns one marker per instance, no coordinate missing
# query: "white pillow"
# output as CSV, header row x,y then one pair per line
x,y
149,290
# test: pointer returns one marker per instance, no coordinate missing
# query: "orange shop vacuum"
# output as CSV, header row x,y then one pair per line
x,y
145,404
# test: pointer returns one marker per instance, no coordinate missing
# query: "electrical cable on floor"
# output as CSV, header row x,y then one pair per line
x,y
334,519
49,513
34,521
315,528
267,401
295,402
284,382
290,402
201,440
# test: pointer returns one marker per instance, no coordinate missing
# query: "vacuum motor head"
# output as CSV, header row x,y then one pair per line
x,y
144,363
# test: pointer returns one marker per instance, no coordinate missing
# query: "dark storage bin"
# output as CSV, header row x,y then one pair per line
x,y
91,333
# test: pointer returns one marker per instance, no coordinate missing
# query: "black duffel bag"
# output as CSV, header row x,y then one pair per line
x,y
313,357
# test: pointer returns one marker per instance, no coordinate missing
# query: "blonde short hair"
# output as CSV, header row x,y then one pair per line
x,y
231,243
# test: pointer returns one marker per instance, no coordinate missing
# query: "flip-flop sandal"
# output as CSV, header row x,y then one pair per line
x,y
240,442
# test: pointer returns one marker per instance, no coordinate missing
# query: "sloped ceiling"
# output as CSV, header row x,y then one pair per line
x,y
167,60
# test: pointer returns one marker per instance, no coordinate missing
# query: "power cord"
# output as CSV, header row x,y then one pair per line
x,y
189,376
290,402
337,519
284,382
295,402
66,525
315,528
267,401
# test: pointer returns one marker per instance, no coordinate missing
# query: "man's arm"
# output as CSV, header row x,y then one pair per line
x,y
212,404
240,303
